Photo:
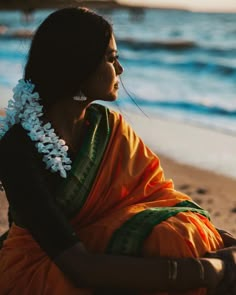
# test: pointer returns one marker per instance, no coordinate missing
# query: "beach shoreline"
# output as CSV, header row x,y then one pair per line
x,y
213,192
183,142
2,112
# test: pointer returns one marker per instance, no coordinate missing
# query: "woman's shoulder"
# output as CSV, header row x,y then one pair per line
x,y
16,142
113,116
17,147
103,109
12,146
98,108
16,134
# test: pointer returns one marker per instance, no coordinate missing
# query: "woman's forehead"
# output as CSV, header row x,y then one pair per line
x,y
112,47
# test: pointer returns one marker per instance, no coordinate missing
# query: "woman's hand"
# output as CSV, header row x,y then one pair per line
x,y
213,273
227,285
228,239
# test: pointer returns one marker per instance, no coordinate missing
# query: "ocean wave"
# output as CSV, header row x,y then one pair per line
x,y
228,50
218,50
198,65
17,34
207,66
172,44
11,55
200,108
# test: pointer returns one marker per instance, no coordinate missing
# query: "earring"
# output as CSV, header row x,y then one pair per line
x,y
80,97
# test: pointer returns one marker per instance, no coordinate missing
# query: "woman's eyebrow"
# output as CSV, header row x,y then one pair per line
x,y
112,51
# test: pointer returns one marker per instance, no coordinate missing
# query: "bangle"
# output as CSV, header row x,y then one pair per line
x,y
172,270
201,270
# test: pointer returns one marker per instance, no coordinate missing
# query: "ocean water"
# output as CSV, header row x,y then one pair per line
x,y
179,65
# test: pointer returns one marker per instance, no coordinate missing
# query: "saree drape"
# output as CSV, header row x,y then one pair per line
x,y
117,199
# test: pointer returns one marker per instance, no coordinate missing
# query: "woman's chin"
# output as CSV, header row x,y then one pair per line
x,y
112,96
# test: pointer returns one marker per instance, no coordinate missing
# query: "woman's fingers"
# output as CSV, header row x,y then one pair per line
x,y
228,284
228,239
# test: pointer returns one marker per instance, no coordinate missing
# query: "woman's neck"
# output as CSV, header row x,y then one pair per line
x,y
66,118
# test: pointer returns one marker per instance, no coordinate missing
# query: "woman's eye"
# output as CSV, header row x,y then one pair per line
x,y
113,58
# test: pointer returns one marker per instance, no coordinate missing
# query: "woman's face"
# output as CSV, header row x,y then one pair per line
x,y
104,83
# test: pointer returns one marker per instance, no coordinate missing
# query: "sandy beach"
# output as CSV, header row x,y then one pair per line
x,y
1,112
213,192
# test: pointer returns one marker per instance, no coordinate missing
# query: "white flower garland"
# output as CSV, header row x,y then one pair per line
x,y
25,108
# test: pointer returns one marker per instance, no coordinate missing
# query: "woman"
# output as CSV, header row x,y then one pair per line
x,y
107,188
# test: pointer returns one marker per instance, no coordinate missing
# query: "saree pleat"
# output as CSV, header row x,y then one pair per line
x,y
130,209
25,269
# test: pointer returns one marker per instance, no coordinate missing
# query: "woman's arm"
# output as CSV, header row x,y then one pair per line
x,y
130,273
21,173
228,284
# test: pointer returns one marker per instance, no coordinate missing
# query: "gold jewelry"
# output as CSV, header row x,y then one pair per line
x,y
201,269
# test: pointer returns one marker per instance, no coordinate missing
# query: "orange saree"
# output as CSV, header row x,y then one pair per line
x,y
119,202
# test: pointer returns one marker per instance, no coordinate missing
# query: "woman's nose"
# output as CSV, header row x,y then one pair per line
x,y
119,68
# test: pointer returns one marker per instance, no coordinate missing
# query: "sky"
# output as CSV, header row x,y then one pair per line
x,y
194,5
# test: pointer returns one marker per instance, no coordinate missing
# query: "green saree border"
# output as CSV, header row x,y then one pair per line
x,y
129,238
76,187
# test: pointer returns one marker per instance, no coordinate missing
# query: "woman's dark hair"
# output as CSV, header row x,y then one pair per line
x,y
67,47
